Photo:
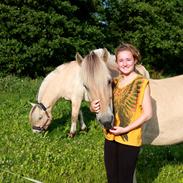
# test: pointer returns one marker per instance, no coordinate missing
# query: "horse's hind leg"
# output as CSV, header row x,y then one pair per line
x,y
82,123
74,117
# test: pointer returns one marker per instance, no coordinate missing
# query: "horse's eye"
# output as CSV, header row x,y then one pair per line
x,y
40,117
109,82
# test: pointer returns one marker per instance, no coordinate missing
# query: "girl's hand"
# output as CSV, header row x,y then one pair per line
x,y
95,106
117,130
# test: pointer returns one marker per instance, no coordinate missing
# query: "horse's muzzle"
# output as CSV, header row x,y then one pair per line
x,y
107,121
37,129
108,126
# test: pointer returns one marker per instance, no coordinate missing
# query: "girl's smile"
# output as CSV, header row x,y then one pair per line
x,y
126,62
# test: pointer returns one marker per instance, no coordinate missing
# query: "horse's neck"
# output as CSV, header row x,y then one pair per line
x,y
47,102
46,97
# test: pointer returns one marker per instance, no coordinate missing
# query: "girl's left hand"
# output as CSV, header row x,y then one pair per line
x,y
117,130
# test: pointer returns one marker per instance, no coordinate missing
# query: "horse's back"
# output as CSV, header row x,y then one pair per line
x,y
167,87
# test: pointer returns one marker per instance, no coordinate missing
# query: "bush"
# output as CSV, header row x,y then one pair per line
x,y
35,37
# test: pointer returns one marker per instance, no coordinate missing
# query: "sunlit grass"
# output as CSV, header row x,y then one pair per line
x,y
52,157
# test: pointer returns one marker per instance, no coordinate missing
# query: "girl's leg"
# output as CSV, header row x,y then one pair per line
x,y
111,162
127,162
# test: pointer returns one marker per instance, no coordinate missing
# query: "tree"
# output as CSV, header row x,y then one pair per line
x,y
39,35
155,27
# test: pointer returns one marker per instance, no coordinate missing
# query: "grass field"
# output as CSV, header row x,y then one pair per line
x,y
52,157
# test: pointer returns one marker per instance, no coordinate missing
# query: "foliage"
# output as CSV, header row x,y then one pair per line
x,y
155,27
52,157
37,36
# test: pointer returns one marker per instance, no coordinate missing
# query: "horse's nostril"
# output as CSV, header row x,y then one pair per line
x,y
107,126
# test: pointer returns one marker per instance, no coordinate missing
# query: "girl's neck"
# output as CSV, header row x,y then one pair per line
x,y
131,75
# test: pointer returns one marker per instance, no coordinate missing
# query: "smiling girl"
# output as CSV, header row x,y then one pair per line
x,y
132,108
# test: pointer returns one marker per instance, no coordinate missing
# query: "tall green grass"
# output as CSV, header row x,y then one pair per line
x,y
52,157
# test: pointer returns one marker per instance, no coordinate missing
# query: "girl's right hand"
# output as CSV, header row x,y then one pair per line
x,y
95,106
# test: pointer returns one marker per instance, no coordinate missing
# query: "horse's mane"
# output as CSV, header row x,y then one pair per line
x,y
94,71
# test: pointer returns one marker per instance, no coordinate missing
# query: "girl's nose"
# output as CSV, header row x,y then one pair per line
x,y
124,63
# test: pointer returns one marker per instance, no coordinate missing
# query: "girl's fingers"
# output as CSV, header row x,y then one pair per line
x,y
95,105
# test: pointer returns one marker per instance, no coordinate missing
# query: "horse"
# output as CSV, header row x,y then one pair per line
x,y
86,79
64,82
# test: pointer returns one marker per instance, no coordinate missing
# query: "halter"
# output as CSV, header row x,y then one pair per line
x,y
42,106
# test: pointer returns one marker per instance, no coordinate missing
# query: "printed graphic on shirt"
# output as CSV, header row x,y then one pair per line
x,y
125,101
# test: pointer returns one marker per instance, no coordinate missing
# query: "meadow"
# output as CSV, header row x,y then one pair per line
x,y
53,157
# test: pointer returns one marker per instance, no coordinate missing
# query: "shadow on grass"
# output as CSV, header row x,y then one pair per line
x,y
64,123
152,159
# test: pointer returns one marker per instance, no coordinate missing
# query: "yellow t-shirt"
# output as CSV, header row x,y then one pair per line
x,y
127,108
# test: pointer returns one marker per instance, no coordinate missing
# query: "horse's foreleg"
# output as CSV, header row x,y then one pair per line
x,y
74,117
82,123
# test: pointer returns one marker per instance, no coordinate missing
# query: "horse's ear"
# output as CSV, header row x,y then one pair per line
x,y
105,55
78,58
32,104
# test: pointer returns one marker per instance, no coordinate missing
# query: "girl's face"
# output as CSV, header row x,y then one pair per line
x,y
126,62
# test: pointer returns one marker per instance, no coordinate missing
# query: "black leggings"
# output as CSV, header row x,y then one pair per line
x,y
120,161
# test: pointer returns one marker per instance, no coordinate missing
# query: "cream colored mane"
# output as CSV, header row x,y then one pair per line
x,y
94,74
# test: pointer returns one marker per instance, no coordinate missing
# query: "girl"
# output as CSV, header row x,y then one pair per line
x,y
132,108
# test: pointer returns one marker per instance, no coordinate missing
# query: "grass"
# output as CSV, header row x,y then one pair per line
x,y
52,157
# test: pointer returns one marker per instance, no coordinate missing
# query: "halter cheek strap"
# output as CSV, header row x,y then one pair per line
x,y
44,109
42,106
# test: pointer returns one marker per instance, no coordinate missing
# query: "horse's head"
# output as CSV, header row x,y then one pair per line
x,y
39,117
97,82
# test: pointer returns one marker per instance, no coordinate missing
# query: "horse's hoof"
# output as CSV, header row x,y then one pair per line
x,y
84,130
71,135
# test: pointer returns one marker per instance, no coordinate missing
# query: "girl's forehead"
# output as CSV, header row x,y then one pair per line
x,y
125,53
